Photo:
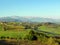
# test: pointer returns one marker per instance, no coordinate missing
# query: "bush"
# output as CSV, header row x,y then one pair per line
x,y
51,41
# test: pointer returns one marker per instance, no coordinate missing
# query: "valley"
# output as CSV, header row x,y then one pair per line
x,y
29,33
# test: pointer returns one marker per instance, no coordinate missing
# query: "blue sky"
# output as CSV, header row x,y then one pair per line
x,y
35,8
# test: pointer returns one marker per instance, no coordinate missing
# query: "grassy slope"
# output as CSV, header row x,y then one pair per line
x,y
50,29
14,34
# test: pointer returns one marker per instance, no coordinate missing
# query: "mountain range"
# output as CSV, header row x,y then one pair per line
x,y
28,19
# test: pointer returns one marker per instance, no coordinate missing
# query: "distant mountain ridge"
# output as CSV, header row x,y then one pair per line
x,y
27,19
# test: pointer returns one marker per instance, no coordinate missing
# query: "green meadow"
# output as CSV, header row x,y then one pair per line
x,y
45,33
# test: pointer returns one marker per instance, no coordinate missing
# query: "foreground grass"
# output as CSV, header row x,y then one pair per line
x,y
14,34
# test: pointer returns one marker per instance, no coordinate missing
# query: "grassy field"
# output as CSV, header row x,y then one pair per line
x,y
33,33
14,34
50,29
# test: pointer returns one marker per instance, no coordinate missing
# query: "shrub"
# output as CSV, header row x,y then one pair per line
x,y
51,41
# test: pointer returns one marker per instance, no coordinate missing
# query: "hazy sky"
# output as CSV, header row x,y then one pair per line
x,y
39,8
